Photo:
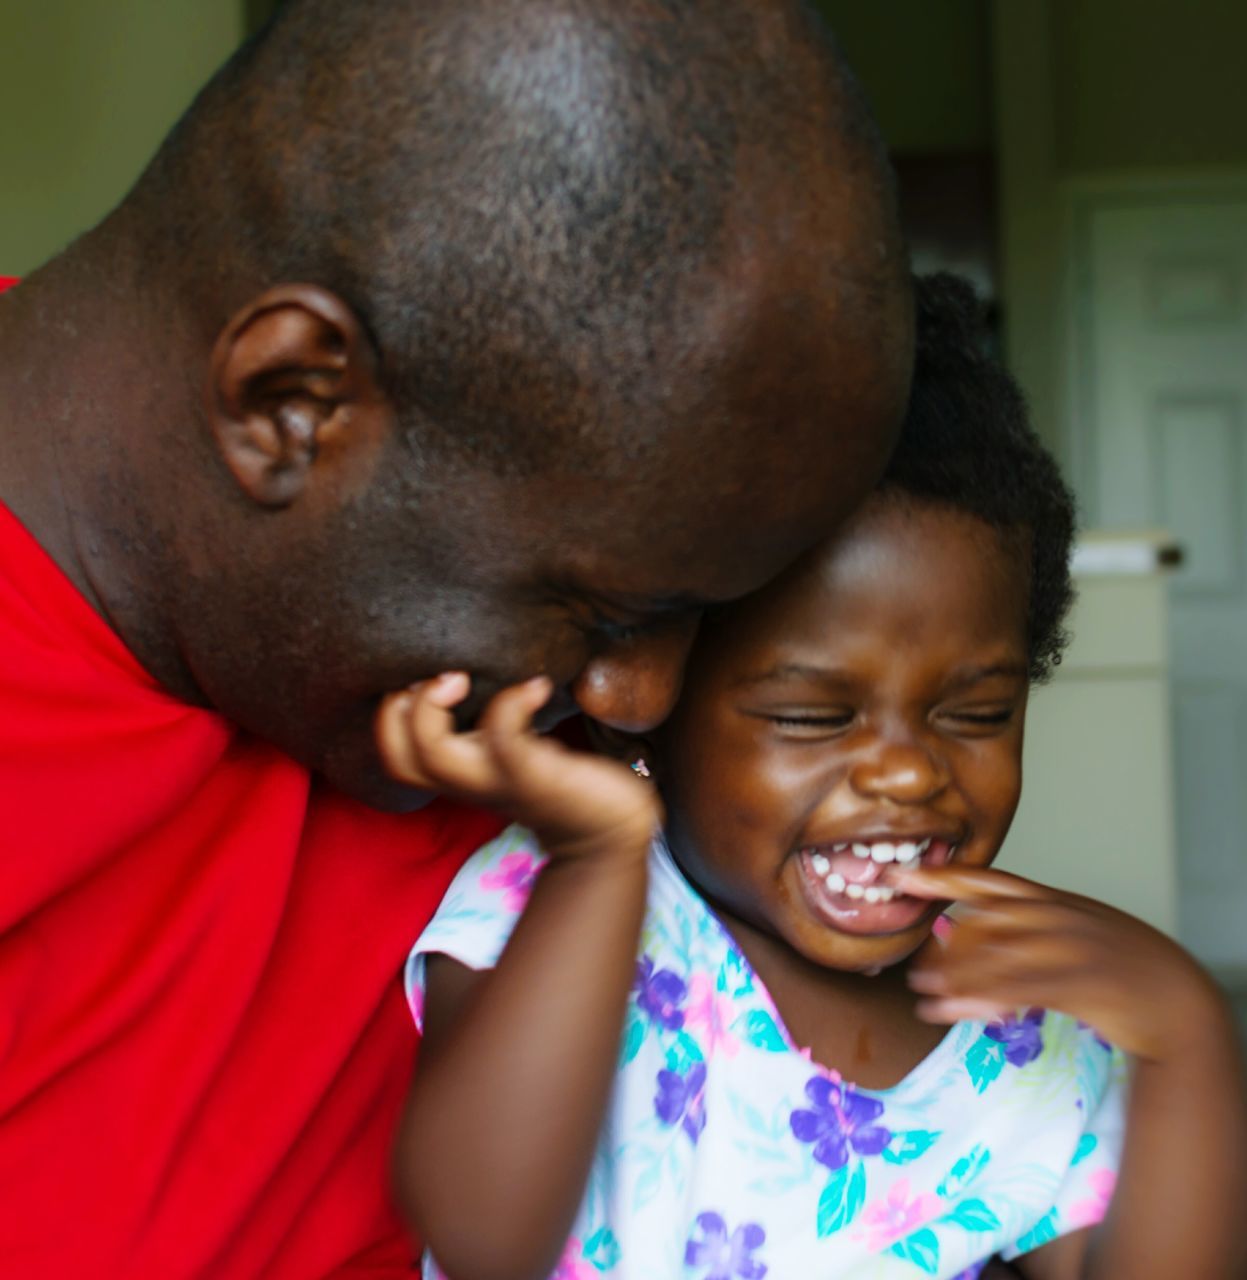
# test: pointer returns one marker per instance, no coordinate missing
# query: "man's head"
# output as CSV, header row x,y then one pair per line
x,y
527,321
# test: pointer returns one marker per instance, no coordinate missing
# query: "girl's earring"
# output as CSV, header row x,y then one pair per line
x,y
640,768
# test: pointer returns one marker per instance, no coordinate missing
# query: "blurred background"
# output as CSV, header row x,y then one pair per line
x,y
1085,163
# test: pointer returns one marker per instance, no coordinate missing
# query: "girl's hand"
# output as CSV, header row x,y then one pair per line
x,y
1020,944
574,802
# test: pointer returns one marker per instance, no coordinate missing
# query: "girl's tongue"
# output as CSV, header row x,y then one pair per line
x,y
854,870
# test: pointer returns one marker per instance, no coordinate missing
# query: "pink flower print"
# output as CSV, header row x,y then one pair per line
x,y
712,1011
898,1215
573,1265
1092,1211
415,1002
515,875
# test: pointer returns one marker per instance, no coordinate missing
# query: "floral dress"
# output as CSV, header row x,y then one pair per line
x,y
726,1154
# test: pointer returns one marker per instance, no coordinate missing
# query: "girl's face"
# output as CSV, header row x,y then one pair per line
x,y
864,710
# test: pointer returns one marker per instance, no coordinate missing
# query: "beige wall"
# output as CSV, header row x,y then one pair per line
x,y
88,90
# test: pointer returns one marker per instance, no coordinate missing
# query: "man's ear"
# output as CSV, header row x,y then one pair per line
x,y
293,380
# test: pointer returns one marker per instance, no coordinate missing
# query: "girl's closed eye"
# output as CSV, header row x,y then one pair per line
x,y
812,722
981,717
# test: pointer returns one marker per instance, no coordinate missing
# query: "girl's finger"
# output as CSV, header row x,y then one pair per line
x,y
448,758
394,741
955,883
445,690
961,1010
510,712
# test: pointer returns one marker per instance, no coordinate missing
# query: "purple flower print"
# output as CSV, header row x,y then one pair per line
x,y
1021,1037
1099,1039
681,1100
724,1257
840,1119
659,994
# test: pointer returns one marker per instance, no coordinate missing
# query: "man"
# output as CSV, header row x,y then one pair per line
x,y
487,335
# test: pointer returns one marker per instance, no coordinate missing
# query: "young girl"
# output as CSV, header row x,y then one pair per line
x,y
737,1051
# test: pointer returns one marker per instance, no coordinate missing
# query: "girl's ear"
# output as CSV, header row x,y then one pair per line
x,y
630,748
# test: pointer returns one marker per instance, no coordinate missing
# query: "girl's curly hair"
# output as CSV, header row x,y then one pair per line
x,y
967,442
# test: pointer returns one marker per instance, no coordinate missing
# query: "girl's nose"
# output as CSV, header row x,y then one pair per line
x,y
903,772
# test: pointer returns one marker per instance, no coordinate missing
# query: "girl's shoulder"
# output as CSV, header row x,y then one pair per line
x,y
480,909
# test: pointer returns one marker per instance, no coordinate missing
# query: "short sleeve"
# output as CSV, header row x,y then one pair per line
x,y
1087,1183
479,911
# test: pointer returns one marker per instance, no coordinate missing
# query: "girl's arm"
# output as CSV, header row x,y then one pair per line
x,y
1182,1187
517,1063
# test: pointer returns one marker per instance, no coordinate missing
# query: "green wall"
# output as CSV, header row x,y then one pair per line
x,y
89,89
1134,83
1149,83
925,66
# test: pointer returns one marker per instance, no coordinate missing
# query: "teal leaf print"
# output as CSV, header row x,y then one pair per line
x,y
842,1199
973,1215
734,978
633,1038
759,1029
602,1249
647,1186
1043,1231
1086,1145
683,1053
984,1062
964,1172
922,1248
909,1145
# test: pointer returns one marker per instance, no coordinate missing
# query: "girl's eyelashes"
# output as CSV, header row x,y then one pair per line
x,y
811,720
967,720
984,717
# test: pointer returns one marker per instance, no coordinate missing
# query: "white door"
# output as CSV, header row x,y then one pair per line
x,y
1161,434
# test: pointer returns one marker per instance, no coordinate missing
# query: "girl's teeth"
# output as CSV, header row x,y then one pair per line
x,y
906,852
820,864
861,851
836,883
871,892
883,852
839,848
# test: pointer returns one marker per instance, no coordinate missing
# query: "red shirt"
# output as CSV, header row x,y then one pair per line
x,y
203,1039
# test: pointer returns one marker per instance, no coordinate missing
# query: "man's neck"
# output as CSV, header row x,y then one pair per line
x,y
39,350
73,412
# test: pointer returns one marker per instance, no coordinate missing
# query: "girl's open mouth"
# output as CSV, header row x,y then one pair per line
x,y
847,883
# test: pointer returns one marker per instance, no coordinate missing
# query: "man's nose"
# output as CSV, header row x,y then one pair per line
x,y
901,769
632,685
